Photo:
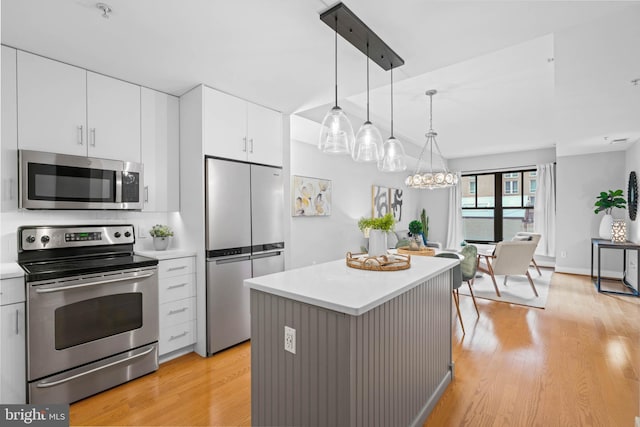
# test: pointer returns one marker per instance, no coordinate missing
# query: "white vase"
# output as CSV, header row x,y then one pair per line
x,y
160,243
605,227
377,242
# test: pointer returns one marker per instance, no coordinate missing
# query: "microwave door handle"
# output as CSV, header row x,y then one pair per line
x,y
99,282
118,186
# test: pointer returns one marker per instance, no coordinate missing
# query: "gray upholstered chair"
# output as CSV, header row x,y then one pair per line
x,y
468,267
457,282
527,236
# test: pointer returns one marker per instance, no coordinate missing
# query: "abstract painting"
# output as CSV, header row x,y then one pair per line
x,y
311,196
395,203
379,201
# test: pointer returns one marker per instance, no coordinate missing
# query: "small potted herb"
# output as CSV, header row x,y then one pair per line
x,y
376,230
160,234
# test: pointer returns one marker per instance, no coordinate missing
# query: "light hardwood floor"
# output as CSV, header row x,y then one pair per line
x,y
575,363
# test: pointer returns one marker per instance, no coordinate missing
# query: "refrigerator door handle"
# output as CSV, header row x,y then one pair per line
x,y
266,254
219,261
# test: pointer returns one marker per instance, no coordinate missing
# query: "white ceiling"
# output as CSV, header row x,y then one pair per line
x,y
511,75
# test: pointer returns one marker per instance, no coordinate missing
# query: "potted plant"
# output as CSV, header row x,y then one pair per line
x,y
606,202
376,230
160,234
425,226
415,228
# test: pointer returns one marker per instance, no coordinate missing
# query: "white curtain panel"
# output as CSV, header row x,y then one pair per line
x,y
455,233
545,210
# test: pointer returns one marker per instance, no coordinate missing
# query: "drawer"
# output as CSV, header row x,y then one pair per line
x,y
175,288
12,290
177,336
176,267
176,312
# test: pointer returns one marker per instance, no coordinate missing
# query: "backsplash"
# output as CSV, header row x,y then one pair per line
x,y
142,222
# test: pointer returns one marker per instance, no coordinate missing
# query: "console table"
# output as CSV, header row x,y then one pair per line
x,y
600,244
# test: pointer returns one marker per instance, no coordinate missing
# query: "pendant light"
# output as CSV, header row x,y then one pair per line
x,y
431,179
368,144
336,136
392,151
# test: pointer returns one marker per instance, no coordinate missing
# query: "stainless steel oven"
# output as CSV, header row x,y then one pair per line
x,y
92,317
59,181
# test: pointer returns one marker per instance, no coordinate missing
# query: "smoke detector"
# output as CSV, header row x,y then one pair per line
x,y
106,10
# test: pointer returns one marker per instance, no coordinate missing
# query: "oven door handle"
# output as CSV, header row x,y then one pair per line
x,y
99,282
44,384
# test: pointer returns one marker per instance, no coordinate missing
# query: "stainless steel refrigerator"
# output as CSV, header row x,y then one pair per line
x,y
245,238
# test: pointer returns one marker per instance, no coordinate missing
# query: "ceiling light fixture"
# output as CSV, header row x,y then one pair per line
x,y
336,136
106,10
392,151
368,144
431,179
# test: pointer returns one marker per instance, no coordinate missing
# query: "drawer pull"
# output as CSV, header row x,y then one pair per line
x,y
177,286
180,310
175,337
182,267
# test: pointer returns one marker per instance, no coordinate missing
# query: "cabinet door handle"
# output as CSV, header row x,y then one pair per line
x,y
146,194
182,267
175,337
251,145
177,286
11,181
17,321
80,135
93,140
180,310
244,144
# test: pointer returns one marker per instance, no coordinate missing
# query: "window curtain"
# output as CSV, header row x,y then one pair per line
x,y
455,233
545,209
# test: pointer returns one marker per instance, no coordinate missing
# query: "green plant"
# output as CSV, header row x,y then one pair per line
x,y
384,223
607,201
415,227
425,223
159,230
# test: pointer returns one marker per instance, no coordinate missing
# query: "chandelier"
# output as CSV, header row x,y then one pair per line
x,y
431,179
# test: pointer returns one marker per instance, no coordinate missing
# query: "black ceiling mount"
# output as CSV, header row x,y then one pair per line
x,y
356,32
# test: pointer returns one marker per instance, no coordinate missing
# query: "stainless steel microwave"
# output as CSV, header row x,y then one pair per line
x,y
60,181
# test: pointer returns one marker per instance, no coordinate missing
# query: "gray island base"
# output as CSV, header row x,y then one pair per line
x,y
371,348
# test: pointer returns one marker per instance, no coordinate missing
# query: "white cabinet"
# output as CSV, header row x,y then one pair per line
x,y
239,130
12,341
177,310
160,150
113,112
65,109
9,125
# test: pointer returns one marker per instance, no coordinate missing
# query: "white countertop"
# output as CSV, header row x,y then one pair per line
x,y
162,255
337,287
9,270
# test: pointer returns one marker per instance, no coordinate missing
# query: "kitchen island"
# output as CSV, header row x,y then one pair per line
x,y
369,347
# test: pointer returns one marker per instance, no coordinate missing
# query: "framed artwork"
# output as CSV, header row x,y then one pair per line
x,y
395,203
310,196
379,201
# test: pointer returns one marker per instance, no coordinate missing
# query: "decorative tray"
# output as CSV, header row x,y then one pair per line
x,y
420,252
363,261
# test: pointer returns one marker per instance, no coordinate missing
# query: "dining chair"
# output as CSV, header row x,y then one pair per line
x,y
457,282
512,258
468,268
534,237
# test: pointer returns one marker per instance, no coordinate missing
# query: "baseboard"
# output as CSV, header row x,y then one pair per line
x,y
174,354
587,272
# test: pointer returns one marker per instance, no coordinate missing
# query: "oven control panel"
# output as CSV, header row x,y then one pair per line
x,y
56,237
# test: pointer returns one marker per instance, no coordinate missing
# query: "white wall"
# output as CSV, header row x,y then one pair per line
x,y
495,162
579,180
632,160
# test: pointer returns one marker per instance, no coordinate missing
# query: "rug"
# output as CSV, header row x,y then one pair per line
x,y
517,291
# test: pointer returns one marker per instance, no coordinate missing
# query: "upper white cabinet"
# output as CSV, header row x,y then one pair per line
x,y
65,109
9,125
237,129
113,112
160,150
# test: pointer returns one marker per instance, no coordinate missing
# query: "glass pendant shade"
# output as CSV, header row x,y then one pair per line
x,y
368,144
392,156
336,136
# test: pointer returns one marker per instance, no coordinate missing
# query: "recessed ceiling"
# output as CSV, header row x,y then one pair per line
x,y
278,53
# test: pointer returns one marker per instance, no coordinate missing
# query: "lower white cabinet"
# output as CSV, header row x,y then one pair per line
x,y
177,310
13,388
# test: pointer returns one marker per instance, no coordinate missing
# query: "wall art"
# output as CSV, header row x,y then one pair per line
x,y
310,196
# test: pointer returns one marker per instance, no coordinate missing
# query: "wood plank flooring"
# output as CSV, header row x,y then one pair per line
x,y
576,363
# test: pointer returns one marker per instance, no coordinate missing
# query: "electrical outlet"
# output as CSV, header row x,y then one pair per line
x,y
563,254
290,339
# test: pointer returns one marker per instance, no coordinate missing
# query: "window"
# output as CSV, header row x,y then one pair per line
x,y
511,187
533,174
495,206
